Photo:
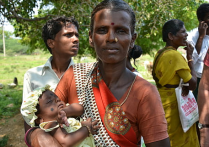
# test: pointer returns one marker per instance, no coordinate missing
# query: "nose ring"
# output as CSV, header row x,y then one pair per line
x,y
116,39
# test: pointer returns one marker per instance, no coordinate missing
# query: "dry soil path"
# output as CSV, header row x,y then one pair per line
x,y
14,129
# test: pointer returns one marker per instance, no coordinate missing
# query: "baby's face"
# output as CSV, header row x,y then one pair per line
x,y
49,106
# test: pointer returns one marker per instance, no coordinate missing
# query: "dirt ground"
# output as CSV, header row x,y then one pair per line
x,y
14,129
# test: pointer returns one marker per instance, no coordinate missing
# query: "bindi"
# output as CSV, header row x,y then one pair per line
x,y
112,23
52,109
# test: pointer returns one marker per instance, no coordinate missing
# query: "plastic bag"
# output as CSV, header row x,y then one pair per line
x,y
188,108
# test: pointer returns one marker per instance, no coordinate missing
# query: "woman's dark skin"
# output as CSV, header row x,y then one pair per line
x,y
112,54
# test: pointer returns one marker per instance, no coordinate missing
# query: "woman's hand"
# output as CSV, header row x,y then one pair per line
x,y
189,49
185,91
92,125
62,118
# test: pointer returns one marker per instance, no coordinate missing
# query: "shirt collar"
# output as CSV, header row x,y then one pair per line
x,y
48,65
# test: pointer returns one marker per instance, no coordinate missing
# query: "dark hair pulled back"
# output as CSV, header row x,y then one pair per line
x,y
114,5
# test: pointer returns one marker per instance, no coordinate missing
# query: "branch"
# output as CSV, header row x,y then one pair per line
x,y
12,14
31,19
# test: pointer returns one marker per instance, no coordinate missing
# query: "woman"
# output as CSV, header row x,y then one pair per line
x,y
169,67
122,102
134,53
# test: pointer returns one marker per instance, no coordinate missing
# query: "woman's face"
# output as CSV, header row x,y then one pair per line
x,y
49,105
180,38
66,41
111,36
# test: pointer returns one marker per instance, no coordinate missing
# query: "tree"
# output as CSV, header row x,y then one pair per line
x,y
150,16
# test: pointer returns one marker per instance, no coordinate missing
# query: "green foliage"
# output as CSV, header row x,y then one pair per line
x,y
15,66
10,100
4,140
7,34
150,16
13,46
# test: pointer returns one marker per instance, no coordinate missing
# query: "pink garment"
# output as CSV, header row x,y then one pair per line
x,y
206,60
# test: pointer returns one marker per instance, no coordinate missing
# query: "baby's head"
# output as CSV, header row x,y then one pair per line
x,y
40,106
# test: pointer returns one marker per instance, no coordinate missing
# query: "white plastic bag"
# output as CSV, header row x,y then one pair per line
x,y
187,105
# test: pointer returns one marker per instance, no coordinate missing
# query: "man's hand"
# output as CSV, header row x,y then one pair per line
x,y
202,28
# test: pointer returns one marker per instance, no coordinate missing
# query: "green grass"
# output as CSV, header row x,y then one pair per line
x,y
13,46
16,66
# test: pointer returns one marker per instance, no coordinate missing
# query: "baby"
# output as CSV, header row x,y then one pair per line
x,y
45,109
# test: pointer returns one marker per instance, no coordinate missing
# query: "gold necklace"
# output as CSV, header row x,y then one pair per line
x,y
128,91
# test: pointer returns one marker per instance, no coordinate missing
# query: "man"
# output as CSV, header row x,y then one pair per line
x,y
60,35
200,40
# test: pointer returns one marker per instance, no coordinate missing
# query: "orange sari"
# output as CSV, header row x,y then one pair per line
x,y
113,117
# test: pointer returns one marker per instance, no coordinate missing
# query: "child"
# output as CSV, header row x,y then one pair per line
x,y
42,107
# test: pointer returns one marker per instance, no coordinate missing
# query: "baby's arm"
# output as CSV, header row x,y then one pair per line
x,y
72,110
71,139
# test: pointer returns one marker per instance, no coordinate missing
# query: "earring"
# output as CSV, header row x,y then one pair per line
x,y
116,39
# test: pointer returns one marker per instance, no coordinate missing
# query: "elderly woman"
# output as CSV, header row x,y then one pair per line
x,y
169,67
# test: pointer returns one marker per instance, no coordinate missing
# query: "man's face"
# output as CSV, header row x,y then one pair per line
x,y
66,41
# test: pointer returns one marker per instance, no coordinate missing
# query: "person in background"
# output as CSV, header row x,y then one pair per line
x,y
61,37
199,38
169,67
203,104
134,53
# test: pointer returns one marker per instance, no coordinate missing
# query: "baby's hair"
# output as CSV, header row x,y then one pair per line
x,y
29,106
37,106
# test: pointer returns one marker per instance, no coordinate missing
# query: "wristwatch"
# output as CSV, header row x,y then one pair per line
x,y
200,126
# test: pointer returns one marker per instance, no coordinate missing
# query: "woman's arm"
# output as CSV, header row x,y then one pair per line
x,y
74,110
39,138
193,81
161,143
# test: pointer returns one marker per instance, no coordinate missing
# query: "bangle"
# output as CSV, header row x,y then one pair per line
x,y
88,129
27,137
190,60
